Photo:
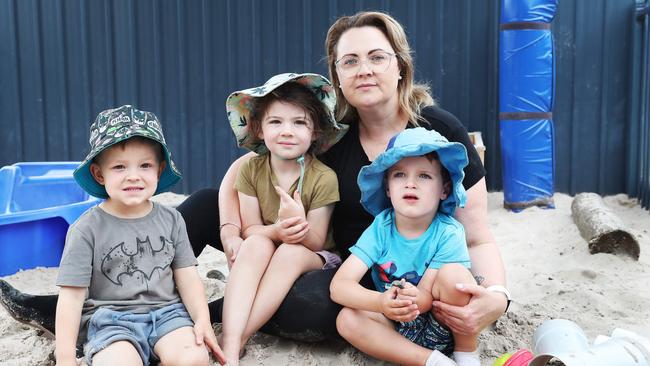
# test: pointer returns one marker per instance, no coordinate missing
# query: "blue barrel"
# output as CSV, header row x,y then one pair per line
x,y
526,91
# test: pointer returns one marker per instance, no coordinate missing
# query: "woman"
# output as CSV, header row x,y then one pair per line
x,y
372,70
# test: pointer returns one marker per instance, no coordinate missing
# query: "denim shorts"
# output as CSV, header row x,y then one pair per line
x,y
425,331
142,330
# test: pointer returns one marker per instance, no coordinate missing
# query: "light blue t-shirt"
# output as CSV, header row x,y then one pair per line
x,y
392,257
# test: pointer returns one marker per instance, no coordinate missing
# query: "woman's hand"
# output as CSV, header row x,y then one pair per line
x,y
290,207
399,310
483,309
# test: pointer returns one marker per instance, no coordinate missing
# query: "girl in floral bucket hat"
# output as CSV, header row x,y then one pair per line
x,y
415,249
286,197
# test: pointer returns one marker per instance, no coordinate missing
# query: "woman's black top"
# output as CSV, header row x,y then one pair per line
x,y
347,157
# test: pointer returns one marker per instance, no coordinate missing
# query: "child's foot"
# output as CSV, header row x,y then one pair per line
x,y
36,311
467,358
438,359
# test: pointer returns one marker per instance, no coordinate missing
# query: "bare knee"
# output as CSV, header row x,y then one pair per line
x,y
295,258
348,322
256,247
196,356
444,287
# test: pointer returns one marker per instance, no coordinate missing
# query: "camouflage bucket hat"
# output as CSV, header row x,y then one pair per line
x,y
114,125
239,108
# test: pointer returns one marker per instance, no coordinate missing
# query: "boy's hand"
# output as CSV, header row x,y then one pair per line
x,y
290,207
292,230
204,334
410,293
399,310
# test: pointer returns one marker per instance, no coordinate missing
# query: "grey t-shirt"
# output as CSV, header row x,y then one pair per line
x,y
126,264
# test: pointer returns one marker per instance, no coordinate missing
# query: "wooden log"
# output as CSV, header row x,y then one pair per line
x,y
603,230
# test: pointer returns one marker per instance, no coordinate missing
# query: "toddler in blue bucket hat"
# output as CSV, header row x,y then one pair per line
x,y
129,288
416,252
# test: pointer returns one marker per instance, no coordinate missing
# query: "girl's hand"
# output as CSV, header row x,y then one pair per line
x,y
231,249
292,230
290,207
483,309
399,310
204,334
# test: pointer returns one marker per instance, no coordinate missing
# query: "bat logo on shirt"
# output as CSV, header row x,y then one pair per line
x,y
145,260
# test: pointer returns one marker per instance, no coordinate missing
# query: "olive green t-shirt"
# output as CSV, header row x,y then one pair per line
x,y
319,188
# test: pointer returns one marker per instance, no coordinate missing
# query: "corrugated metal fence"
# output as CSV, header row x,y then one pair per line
x,y
61,62
639,149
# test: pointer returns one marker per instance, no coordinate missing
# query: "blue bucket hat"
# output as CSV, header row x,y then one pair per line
x,y
413,142
115,125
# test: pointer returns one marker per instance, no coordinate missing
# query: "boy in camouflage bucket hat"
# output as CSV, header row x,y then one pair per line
x,y
119,124
128,275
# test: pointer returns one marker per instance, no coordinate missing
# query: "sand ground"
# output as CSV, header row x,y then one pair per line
x,y
550,273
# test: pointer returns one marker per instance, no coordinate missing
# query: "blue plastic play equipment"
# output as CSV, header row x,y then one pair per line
x,y
526,91
38,201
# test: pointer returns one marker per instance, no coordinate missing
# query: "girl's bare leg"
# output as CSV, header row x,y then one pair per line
x,y
118,353
289,262
246,272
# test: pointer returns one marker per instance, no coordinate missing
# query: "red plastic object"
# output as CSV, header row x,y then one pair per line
x,y
520,358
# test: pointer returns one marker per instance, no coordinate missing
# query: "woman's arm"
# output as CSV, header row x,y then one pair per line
x,y
68,318
229,210
485,307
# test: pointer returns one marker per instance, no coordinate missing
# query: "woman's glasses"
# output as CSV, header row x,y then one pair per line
x,y
378,62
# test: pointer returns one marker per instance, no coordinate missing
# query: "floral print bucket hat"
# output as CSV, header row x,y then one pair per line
x,y
114,125
239,107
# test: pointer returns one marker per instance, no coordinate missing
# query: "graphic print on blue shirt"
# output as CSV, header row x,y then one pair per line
x,y
386,273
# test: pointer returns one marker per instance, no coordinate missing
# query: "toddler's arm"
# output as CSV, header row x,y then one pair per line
x,y
192,293
68,318
421,295
346,290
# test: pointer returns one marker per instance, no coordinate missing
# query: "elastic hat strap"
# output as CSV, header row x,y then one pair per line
x,y
301,163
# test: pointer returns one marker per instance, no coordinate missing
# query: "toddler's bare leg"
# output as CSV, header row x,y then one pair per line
x,y
118,353
288,263
179,348
444,289
374,334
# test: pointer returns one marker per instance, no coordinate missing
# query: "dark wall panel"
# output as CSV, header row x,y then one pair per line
x,y
63,61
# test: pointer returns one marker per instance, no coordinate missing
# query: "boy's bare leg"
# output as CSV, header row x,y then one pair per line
x,y
179,348
289,262
118,353
375,335
246,272
444,289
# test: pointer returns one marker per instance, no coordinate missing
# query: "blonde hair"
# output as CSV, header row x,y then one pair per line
x,y
412,96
